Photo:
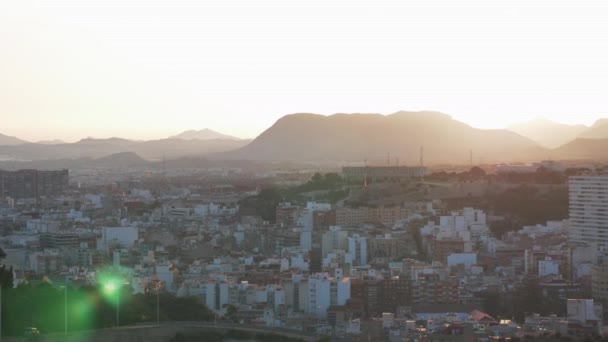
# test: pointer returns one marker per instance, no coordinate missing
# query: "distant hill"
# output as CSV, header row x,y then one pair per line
x,y
7,140
355,137
203,134
123,158
583,149
96,148
50,142
599,130
548,133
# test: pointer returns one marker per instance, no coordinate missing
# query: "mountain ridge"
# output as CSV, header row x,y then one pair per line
x,y
202,134
355,137
548,133
8,140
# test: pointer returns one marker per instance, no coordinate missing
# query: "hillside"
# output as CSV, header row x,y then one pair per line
x,y
7,140
203,134
96,148
599,130
548,133
355,137
583,149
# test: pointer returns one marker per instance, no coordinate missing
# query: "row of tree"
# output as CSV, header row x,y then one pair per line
x,y
44,306
230,335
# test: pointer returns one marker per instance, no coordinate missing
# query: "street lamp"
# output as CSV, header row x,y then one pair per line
x,y
158,286
112,287
65,308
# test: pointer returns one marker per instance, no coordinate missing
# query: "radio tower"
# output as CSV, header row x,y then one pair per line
x,y
421,156
365,173
471,157
421,162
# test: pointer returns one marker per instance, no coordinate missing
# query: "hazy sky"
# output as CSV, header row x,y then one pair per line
x,y
151,68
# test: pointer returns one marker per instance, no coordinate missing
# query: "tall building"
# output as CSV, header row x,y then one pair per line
x,y
589,210
334,238
325,291
32,183
599,281
357,246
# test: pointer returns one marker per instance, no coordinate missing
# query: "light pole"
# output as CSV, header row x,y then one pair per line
x,y
65,308
112,287
65,299
158,285
118,307
0,312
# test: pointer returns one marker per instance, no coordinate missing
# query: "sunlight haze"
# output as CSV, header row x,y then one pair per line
x,y
150,69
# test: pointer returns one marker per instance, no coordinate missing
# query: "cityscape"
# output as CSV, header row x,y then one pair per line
x,y
303,170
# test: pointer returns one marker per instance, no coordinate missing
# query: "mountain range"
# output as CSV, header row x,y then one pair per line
x,y
599,130
552,134
355,137
383,138
96,148
203,134
341,138
8,140
548,133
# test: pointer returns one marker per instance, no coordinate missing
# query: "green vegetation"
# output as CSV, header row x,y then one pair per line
x,y
330,186
215,336
527,206
521,206
43,306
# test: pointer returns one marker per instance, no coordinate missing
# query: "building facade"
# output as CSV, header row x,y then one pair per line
x,y
33,183
589,210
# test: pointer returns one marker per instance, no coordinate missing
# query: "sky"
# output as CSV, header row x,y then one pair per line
x,y
145,69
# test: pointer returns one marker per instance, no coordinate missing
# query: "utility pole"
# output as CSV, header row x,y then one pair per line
x,y
0,312
421,156
158,304
365,174
471,157
65,308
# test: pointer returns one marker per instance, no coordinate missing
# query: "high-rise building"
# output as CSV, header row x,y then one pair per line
x,y
334,238
325,291
589,210
32,183
357,246
599,281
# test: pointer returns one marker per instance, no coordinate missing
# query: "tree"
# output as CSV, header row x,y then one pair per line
x,y
476,172
6,277
529,299
232,313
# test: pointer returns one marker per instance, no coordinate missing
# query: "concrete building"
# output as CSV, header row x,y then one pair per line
x,y
33,183
357,247
584,310
334,238
467,260
548,267
432,289
349,217
599,282
124,236
325,291
59,240
589,210
385,248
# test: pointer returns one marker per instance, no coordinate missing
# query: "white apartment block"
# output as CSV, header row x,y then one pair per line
x,y
589,210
